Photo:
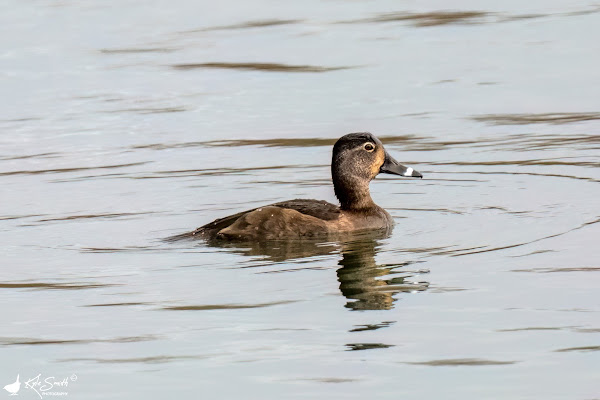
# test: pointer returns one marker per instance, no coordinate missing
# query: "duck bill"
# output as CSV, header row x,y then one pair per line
x,y
391,166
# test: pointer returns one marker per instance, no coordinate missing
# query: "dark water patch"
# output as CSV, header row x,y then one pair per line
x,y
578,310
35,341
74,169
550,270
434,18
117,304
251,24
53,286
142,360
329,380
587,330
22,157
579,349
372,327
127,249
444,81
24,119
138,50
9,217
592,10
535,252
95,216
205,307
367,346
149,110
545,118
269,67
519,17
102,96
459,362
535,328
462,17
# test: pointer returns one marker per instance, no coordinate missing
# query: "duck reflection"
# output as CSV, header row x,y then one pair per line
x,y
365,284
368,285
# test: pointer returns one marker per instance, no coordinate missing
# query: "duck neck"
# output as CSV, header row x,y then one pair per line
x,y
353,194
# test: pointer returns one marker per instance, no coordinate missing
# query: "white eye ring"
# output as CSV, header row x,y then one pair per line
x,y
369,146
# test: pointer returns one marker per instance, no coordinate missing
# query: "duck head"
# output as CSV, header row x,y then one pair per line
x,y
357,159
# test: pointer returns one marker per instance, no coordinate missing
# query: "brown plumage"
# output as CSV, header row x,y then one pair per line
x,y
357,159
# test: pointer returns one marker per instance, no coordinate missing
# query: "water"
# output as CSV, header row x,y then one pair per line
x,y
125,123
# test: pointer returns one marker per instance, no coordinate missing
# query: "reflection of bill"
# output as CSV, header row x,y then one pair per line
x,y
364,283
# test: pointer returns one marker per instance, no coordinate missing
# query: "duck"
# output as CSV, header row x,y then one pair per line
x,y
357,159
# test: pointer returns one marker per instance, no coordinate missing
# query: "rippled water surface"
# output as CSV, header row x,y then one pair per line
x,y
124,123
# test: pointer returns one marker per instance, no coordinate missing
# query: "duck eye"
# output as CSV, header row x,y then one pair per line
x,y
369,147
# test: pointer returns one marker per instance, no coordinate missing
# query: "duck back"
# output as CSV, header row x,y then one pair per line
x,y
286,219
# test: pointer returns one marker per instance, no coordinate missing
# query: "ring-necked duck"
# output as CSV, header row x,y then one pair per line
x,y
357,159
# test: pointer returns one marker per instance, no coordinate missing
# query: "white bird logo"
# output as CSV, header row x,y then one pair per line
x,y
13,388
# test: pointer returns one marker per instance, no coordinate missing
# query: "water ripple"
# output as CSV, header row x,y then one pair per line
x,y
580,349
270,67
546,118
249,25
144,360
511,246
8,341
205,307
138,50
458,362
73,169
53,286
94,216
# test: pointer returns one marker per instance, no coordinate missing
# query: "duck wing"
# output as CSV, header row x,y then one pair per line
x,y
315,208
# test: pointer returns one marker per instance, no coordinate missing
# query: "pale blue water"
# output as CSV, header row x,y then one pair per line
x,y
487,287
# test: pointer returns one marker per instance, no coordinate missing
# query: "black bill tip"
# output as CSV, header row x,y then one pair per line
x,y
413,173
